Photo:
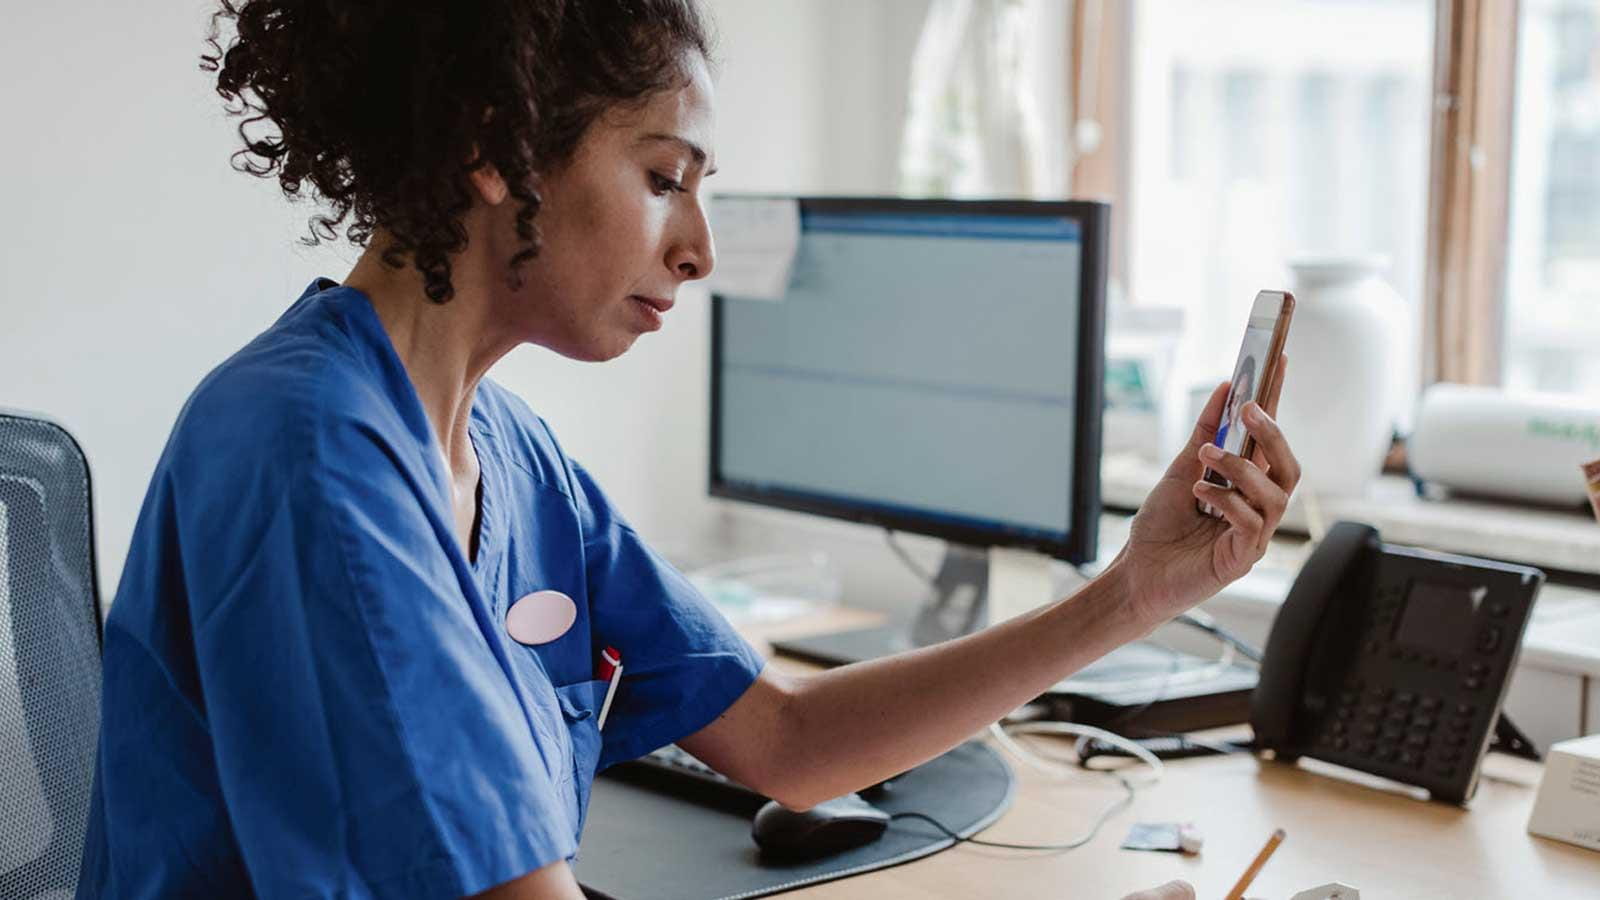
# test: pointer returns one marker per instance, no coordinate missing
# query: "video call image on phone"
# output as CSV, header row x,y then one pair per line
x,y
1248,374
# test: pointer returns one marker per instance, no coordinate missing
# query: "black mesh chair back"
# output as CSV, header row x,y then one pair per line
x,y
49,658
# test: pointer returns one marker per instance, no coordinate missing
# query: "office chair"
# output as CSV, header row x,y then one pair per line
x,y
49,658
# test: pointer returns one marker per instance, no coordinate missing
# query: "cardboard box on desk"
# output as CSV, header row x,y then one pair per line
x,y
1568,805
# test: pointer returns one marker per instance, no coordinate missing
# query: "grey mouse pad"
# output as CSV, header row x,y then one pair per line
x,y
639,843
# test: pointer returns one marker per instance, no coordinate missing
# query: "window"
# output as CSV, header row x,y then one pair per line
x,y
1551,327
1265,130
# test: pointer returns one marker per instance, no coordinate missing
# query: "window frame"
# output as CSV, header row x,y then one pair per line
x,y
1469,167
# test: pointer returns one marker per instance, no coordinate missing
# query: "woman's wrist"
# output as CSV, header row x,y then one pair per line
x,y
1136,599
1111,601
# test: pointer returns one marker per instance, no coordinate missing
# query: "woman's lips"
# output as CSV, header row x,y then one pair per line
x,y
656,303
650,310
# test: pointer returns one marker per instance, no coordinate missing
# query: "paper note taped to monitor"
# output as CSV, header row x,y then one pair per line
x,y
756,241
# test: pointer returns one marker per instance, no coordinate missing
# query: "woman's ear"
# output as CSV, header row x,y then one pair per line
x,y
490,186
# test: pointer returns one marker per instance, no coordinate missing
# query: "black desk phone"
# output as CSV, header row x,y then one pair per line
x,y
1393,660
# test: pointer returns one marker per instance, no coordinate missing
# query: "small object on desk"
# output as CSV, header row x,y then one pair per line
x,y
1256,864
1172,837
1568,804
832,826
1591,477
1330,891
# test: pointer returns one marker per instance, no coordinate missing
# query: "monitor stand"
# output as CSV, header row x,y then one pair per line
x,y
960,601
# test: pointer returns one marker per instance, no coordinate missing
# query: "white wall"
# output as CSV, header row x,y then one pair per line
x,y
132,259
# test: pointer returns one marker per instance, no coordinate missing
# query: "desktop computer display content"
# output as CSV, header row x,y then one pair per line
x,y
935,366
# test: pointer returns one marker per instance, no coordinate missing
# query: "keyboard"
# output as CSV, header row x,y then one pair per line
x,y
672,770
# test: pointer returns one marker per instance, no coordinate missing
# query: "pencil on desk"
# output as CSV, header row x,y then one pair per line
x,y
1260,860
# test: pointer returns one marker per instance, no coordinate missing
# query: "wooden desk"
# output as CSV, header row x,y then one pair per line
x,y
1386,843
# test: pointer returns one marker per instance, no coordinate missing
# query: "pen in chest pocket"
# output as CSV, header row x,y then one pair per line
x,y
610,670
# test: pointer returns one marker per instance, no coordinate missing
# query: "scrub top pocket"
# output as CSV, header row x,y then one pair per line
x,y
580,707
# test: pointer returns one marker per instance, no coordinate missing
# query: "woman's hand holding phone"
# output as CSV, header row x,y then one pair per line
x,y
1177,556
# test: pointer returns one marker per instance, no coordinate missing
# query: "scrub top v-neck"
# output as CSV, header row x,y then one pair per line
x,y
309,689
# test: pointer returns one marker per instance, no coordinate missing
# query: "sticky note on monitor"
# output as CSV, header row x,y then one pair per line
x,y
756,241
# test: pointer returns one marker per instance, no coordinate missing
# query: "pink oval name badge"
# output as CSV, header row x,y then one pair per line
x,y
541,617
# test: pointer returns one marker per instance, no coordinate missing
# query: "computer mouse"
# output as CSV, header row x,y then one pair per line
x,y
830,827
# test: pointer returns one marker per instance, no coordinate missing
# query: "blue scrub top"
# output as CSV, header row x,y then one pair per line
x,y
309,690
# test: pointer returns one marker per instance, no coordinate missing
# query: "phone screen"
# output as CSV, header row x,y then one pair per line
x,y
1248,378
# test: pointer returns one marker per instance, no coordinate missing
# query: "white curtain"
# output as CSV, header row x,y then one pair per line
x,y
987,101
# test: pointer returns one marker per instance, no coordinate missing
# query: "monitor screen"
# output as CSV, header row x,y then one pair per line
x,y
929,368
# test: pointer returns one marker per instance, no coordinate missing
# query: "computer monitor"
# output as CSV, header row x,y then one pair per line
x,y
935,366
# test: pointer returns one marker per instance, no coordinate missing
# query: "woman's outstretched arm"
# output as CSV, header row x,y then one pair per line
x,y
802,739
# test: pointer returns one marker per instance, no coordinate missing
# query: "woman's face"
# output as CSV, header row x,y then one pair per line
x,y
622,226
1244,392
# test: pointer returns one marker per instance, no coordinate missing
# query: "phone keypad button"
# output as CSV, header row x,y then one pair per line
x,y
1429,704
1472,682
1405,698
1489,639
1423,722
1410,759
1465,709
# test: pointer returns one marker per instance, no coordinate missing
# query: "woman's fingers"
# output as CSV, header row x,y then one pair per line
x,y
1205,431
1234,508
1273,448
1259,491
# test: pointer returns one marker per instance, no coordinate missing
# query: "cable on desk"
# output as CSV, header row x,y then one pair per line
x,y
1094,829
1204,621
1057,767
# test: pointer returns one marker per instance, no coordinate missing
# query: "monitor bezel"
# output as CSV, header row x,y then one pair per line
x,y
1080,543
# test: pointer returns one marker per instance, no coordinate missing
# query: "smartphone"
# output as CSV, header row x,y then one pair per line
x,y
1253,375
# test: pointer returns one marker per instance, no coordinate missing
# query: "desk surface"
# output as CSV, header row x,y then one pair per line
x,y
1386,843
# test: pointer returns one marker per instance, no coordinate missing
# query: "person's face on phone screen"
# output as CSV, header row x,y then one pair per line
x,y
1246,375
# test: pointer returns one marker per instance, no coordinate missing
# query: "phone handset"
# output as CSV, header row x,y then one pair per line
x,y
1291,650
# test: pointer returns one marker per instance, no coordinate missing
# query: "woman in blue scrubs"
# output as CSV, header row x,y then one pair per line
x,y
311,688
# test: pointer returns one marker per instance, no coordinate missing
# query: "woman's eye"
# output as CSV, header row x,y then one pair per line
x,y
662,184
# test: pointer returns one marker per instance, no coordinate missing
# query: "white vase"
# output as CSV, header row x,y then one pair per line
x,y
1345,349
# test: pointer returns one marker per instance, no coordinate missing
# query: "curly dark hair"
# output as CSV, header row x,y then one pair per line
x,y
381,108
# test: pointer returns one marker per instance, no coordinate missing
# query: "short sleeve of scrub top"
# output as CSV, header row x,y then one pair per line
x,y
308,688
